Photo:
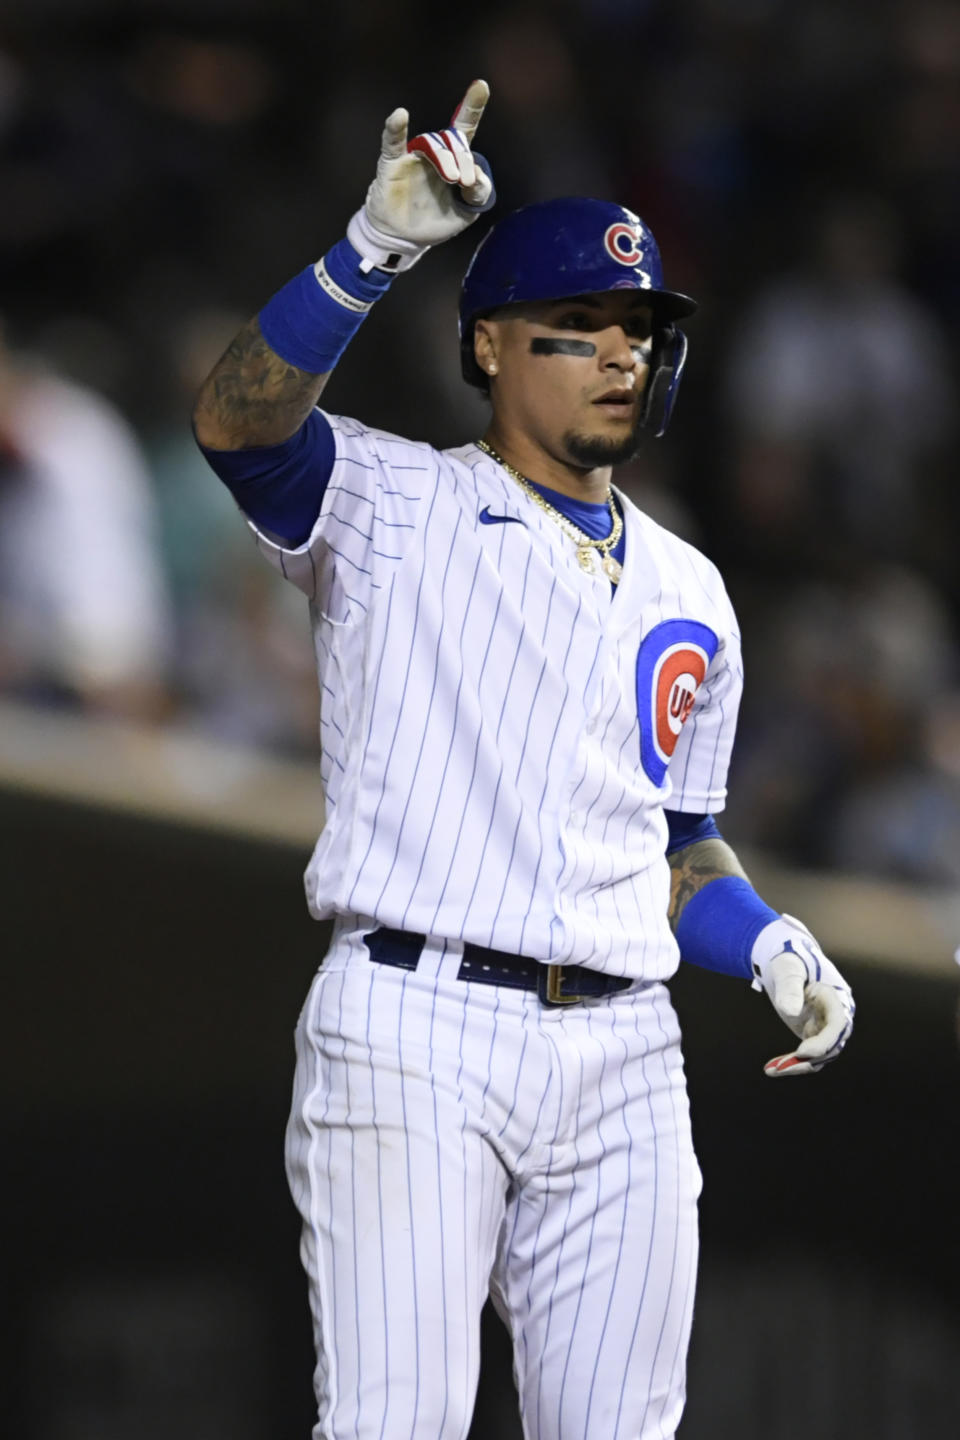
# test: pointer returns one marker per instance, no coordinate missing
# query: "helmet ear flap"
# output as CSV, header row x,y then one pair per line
x,y
667,360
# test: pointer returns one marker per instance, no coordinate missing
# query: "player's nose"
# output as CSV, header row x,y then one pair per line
x,y
616,349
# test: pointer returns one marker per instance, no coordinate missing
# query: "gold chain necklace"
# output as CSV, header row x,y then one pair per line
x,y
587,547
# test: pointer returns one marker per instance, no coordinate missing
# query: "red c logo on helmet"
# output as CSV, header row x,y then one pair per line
x,y
624,242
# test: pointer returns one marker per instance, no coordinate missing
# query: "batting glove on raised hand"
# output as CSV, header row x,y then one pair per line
x,y
425,190
808,993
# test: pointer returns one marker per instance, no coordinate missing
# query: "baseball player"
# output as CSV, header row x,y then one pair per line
x,y
529,693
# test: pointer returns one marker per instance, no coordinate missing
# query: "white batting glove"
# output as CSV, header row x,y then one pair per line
x,y
808,993
425,190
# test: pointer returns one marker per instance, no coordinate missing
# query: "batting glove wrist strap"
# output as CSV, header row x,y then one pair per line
x,y
807,991
310,322
389,253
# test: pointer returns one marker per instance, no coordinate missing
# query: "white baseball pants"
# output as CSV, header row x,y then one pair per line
x,y
449,1139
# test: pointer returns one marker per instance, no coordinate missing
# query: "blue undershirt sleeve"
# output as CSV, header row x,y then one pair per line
x,y
281,487
688,829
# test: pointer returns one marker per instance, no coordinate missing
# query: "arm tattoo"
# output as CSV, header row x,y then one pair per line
x,y
252,397
695,866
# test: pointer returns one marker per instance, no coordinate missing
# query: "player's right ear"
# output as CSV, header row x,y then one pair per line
x,y
486,347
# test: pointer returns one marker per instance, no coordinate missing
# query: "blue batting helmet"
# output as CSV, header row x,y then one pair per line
x,y
560,248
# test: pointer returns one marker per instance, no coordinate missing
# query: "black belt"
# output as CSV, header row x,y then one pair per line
x,y
555,984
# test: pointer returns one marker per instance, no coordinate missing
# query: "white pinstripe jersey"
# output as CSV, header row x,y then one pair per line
x,y
500,732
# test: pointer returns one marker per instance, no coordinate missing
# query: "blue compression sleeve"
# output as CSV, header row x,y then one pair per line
x,y
719,924
281,486
314,317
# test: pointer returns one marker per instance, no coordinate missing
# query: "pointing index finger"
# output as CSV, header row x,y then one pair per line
x,y
394,139
468,113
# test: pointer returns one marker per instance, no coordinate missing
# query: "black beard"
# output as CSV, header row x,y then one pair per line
x,y
592,451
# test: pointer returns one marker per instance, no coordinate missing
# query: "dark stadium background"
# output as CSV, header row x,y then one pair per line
x,y
163,168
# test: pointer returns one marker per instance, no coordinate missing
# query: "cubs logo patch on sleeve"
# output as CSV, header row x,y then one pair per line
x,y
671,664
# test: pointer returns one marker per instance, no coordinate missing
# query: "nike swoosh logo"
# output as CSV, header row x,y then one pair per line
x,y
487,519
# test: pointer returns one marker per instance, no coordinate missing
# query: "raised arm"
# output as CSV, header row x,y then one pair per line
x,y
426,190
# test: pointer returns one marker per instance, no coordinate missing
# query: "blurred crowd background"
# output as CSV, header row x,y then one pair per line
x,y
165,167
